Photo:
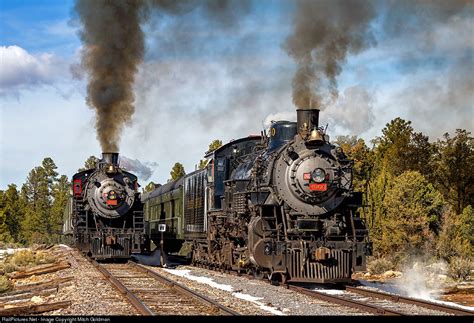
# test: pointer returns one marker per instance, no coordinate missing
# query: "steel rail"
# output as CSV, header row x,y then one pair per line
x,y
184,290
132,299
359,305
409,300
345,302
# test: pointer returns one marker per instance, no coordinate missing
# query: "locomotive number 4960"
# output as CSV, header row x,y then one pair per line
x,y
321,187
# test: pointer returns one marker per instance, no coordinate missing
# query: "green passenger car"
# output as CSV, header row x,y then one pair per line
x,y
181,206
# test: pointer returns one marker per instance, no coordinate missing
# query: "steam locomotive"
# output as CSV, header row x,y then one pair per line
x,y
104,214
280,206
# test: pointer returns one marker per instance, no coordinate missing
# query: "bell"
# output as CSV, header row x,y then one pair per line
x,y
315,138
111,169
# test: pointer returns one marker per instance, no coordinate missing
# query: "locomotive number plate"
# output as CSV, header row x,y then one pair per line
x,y
318,187
111,202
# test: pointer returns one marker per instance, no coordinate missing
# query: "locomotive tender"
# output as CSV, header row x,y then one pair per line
x,y
281,206
104,214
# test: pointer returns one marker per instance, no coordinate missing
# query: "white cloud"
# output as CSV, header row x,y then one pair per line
x,y
436,102
62,28
21,70
44,124
353,111
281,115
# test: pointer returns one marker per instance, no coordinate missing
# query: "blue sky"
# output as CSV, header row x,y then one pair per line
x,y
38,26
228,84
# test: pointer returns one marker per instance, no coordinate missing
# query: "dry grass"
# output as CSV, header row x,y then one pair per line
x,y
460,268
5,284
379,265
21,258
9,268
24,259
43,257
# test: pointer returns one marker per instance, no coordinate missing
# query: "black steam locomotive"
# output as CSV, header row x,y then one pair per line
x,y
280,206
104,214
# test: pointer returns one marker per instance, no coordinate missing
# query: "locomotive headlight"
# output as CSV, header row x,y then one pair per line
x,y
319,175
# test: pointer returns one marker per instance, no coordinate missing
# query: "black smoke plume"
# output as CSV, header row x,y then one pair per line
x,y
114,47
324,33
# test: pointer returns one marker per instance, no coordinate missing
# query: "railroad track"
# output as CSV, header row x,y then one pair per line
x,y
380,303
153,294
345,301
408,300
376,302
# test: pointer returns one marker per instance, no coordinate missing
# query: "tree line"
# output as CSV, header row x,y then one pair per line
x,y
33,213
418,195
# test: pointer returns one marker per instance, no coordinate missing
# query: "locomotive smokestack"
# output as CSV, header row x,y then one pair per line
x,y
307,119
110,158
307,124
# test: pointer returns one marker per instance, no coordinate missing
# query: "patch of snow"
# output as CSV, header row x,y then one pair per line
x,y
204,280
330,291
209,281
10,251
253,299
247,297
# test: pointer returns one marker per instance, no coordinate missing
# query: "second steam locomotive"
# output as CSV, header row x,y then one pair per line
x,y
104,214
281,206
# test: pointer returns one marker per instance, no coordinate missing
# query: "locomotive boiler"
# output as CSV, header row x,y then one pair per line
x,y
105,213
280,206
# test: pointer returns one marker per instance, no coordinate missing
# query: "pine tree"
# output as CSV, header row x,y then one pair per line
x,y
12,211
456,238
25,207
90,163
357,151
412,212
177,171
202,164
400,149
60,197
376,192
37,196
4,231
214,145
454,164
150,187
40,223
466,225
